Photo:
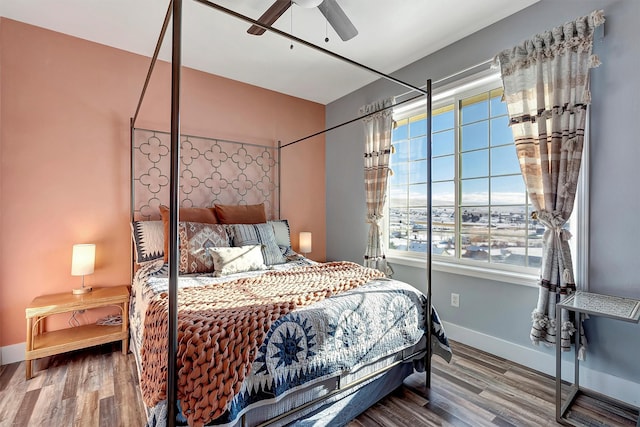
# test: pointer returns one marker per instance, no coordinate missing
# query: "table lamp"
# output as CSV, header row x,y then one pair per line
x,y
82,263
305,242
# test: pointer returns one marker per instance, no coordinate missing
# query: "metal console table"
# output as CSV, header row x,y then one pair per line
x,y
618,308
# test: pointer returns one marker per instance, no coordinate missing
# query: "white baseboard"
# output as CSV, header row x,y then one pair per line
x,y
609,385
12,353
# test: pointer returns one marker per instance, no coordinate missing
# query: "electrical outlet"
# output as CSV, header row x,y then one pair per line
x,y
455,300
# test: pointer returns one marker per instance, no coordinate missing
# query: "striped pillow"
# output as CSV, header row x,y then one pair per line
x,y
283,236
259,234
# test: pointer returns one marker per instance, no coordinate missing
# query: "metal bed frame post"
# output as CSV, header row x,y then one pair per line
x,y
174,203
429,238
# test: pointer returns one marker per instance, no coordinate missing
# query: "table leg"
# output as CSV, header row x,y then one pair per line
x,y
125,327
28,363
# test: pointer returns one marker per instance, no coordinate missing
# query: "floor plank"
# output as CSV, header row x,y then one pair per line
x,y
99,387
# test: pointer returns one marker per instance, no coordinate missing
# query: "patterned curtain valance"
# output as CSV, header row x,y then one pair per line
x,y
372,111
575,35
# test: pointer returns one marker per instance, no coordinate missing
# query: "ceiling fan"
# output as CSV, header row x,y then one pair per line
x,y
329,8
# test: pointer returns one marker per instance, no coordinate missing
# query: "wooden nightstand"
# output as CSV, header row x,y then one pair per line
x,y
42,344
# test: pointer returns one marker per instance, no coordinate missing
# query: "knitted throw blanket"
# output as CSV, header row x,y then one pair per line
x,y
221,327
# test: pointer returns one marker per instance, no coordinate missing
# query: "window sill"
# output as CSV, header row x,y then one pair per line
x,y
516,278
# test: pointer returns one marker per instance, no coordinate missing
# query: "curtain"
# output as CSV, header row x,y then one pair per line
x,y
377,149
546,87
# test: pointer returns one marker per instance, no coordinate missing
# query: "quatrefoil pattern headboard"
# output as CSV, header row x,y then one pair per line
x,y
211,171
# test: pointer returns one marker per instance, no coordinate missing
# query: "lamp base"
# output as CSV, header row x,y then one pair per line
x,y
84,290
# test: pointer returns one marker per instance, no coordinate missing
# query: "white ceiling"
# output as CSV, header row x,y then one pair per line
x,y
392,34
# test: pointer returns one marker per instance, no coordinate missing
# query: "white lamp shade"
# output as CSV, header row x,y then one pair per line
x,y
83,259
305,242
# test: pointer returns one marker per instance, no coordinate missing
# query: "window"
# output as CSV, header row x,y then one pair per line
x,y
481,212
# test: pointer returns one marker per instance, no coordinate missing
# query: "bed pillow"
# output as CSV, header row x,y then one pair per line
x,y
237,259
148,240
283,236
258,234
201,215
196,239
241,214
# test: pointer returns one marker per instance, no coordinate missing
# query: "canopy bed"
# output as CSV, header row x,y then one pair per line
x,y
255,334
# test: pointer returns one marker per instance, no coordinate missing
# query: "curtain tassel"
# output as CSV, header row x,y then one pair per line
x,y
594,61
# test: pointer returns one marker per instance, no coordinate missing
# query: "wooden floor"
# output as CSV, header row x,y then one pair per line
x,y
98,387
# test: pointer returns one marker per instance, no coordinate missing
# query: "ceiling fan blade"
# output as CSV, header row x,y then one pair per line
x,y
338,19
270,16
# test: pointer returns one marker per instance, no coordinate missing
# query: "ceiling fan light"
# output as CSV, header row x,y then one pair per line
x,y
308,4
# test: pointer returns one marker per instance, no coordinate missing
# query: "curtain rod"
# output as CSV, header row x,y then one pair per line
x,y
456,74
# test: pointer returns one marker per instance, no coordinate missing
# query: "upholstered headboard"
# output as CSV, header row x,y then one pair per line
x,y
212,171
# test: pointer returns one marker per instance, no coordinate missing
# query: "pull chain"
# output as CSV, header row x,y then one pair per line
x,y
326,30
291,23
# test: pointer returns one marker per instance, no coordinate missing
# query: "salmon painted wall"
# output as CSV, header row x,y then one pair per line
x,y
65,105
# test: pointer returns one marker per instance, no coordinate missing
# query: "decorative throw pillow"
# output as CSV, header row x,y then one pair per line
x,y
241,214
259,234
283,236
148,240
195,241
237,259
202,215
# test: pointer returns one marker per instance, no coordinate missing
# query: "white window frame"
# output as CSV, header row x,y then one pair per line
x,y
525,276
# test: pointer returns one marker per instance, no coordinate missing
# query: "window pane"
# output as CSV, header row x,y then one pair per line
x,y
475,164
443,228
508,190
475,136
443,168
418,128
400,174
507,219
398,234
474,109
474,220
443,219
444,244
443,143
402,151
444,120
500,131
400,132
475,191
418,172
418,148
418,219
504,160
509,250
418,195
398,196
475,246
418,230
443,194
498,108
